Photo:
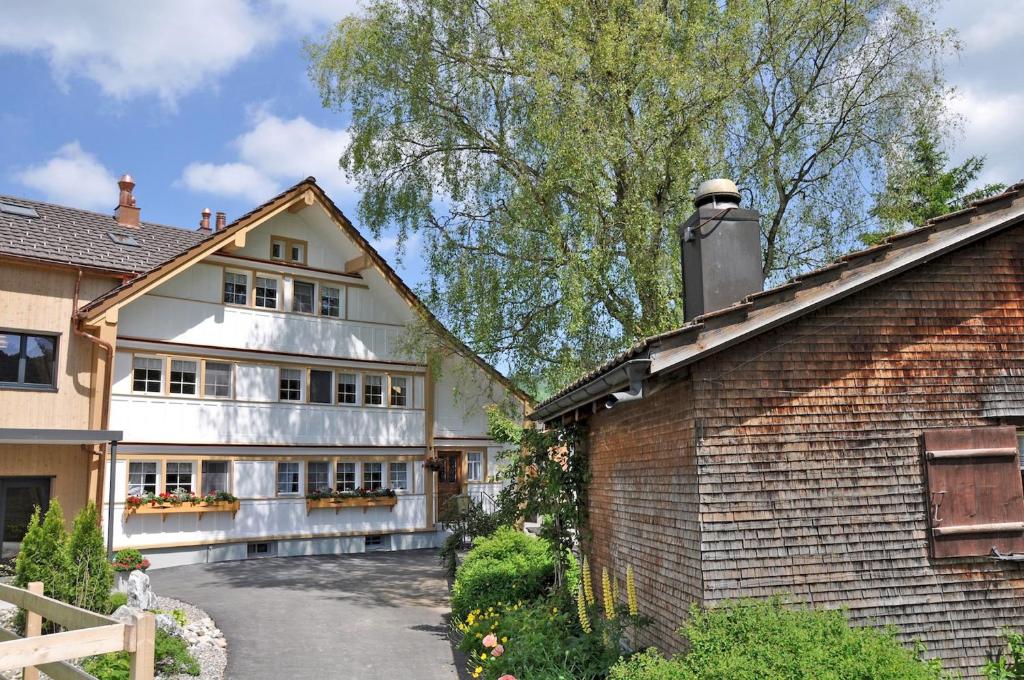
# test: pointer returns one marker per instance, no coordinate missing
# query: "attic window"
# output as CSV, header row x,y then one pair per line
x,y
20,210
123,240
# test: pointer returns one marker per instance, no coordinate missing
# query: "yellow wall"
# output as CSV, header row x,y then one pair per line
x,y
68,465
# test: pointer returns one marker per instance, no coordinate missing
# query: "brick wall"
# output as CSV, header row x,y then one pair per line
x,y
643,505
809,458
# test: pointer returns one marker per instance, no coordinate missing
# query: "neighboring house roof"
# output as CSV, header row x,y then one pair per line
x,y
134,288
760,312
81,238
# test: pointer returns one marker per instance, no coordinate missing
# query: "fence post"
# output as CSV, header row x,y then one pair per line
x,y
33,627
145,640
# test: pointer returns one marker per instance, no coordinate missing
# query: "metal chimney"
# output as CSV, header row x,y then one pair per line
x,y
721,249
126,213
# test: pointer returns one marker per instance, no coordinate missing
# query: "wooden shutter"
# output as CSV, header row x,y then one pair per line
x,y
975,496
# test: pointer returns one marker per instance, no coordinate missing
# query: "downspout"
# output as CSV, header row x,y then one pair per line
x,y
76,326
636,371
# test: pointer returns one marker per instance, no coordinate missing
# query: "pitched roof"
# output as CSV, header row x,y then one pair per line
x,y
133,288
760,312
70,236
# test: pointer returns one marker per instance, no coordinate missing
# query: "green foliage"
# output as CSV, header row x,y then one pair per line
x,y
766,640
1009,665
44,554
547,150
116,600
469,524
91,576
178,615
920,187
508,566
171,655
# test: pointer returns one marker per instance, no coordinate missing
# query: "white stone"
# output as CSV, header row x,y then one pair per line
x,y
168,625
140,593
125,614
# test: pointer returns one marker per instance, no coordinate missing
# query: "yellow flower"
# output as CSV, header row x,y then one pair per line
x,y
554,610
477,671
606,591
504,639
581,607
483,657
588,585
631,591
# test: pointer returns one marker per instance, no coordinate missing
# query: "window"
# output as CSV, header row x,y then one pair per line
x,y
147,374
373,390
347,388
141,478
236,288
976,502
257,550
282,248
216,476
318,475
266,292
302,297
184,376
320,387
287,478
330,301
475,466
218,380
297,252
291,384
345,477
179,476
28,360
277,250
373,476
399,475
399,390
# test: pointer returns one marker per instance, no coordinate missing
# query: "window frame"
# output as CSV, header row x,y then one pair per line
x,y
298,478
384,389
197,372
22,369
330,387
278,290
356,476
286,253
163,373
231,380
157,477
366,467
327,475
313,297
407,394
280,388
321,287
481,464
248,287
338,384
203,473
193,483
391,479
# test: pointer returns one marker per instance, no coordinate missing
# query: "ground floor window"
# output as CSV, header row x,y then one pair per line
x,y
287,478
373,476
142,477
215,476
184,376
399,476
179,476
345,479
475,466
318,475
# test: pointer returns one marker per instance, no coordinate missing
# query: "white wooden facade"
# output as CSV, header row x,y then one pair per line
x,y
250,359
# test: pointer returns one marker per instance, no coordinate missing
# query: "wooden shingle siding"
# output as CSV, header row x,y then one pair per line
x,y
809,458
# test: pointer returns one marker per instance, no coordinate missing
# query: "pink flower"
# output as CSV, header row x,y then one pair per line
x,y
498,650
490,640
507,677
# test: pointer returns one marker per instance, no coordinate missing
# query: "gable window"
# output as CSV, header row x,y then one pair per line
x,y
141,478
399,390
474,466
347,388
291,250
28,360
216,476
320,387
318,475
373,476
217,383
147,374
236,288
287,478
291,384
373,390
266,292
345,477
398,475
184,376
330,301
297,252
179,476
302,297
277,249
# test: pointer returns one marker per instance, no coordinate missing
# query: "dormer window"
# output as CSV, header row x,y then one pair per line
x,y
288,250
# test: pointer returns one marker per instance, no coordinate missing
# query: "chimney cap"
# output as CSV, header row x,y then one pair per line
x,y
712,189
126,179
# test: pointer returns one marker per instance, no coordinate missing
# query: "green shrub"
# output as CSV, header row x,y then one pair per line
x,y
91,575
506,567
471,523
765,640
44,554
171,655
1009,665
116,600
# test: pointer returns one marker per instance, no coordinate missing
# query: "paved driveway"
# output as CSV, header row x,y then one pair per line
x,y
377,615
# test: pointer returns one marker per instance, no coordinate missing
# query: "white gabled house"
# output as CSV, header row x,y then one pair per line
x,y
274,359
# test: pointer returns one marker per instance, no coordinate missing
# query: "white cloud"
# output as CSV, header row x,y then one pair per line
x,y
166,48
273,153
72,177
991,128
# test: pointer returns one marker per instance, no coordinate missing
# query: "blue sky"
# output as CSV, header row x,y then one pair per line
x,y
207,104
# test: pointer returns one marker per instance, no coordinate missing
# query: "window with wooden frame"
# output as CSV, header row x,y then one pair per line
x,y
975,495
345,477
330,301
475,466
266,292
288,249
216,476
143,477
373,389
236,288
373,476
303,294
179,475
320,387
398,476
288,478
348,388
183,378
217,379
318,475
290,381
277,249
28,360
399,388
147,374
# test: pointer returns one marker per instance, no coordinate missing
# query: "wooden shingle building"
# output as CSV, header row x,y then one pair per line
x,y
849,438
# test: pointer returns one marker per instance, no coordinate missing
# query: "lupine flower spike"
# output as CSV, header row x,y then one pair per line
x,y
615,588
631,591
588,583
606,593
581,607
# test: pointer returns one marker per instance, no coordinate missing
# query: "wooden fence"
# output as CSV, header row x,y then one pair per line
x,y
85,634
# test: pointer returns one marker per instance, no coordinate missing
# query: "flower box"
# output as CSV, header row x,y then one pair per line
x,y
365,503
183,508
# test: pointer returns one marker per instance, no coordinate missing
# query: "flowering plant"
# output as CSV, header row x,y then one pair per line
x,y
130,559
177,497
331,494
433,464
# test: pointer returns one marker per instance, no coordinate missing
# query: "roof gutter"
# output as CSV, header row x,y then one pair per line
x,y
624,382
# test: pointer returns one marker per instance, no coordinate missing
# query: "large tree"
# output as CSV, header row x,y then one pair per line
x,y
547,150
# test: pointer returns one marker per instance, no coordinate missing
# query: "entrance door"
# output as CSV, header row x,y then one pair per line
x,y
449,482
19,497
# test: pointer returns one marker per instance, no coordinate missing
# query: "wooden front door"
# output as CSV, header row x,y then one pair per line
x,y
449,478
